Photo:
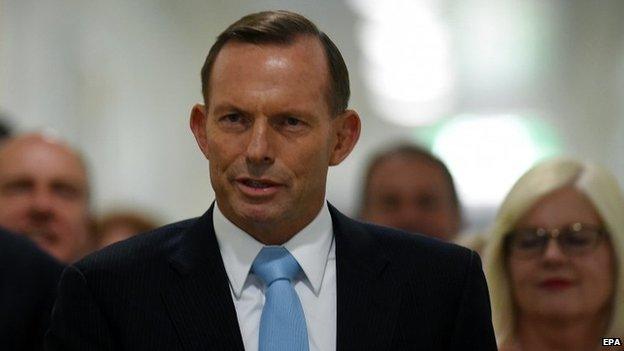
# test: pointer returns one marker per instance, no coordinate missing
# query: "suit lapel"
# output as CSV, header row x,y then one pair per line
x,y
199,300
368,298
203,314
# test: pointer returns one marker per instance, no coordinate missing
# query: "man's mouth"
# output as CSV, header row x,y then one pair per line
x,y
257,187
257,184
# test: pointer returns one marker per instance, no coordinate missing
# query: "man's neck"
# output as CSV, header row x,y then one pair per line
x,y
275,232
547,334
271,234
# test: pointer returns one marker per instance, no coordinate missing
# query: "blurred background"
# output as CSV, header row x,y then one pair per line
x,y
489,86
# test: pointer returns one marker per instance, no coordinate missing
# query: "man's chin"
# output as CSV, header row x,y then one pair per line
x,y
247,215
40,234
259,214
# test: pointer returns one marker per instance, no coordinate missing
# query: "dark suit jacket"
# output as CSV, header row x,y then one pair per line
x,y
28,279
168,290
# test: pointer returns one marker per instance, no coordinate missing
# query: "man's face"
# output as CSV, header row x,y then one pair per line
x,y
269,135
411,194
43,194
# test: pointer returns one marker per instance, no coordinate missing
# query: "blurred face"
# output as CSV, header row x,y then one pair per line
x,y
43,194
269,135
411,194
555,285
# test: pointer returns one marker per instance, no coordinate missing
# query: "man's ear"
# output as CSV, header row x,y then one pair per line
x,y
198,126
347,127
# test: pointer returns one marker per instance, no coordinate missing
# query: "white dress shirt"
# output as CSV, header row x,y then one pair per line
x,y
313,248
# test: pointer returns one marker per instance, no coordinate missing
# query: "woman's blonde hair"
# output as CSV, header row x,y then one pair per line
x,y
603,191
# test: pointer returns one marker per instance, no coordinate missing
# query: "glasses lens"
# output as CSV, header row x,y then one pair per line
x,y
578,239
527,242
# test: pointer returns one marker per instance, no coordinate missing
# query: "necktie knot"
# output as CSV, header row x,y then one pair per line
x,y
274,263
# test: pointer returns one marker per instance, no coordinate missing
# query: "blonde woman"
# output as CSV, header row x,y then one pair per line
x,y
554,261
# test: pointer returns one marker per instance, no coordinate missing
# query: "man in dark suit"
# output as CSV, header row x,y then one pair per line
x,y
271,265
28,278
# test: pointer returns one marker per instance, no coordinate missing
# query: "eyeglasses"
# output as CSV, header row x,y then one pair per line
x,y
574,240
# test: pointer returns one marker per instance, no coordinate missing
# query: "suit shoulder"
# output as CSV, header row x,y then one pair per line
x,y
414,256
136,251
398,243
402,246
417,259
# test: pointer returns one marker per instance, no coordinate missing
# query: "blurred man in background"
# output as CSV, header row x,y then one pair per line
x,y
28,278
407,187
44,194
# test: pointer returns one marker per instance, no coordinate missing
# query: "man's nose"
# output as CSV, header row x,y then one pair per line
x,y
42,205
407,213
259,150
409,218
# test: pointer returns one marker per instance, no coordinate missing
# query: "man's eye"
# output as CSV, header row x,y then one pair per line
x,y
66,191
389,202
292,124
292,121
234,121
233,118
427,202
16,187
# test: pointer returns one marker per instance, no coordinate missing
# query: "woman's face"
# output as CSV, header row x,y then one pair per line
x,y
553,284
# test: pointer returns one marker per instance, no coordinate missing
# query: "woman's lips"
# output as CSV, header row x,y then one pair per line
x,y
556,284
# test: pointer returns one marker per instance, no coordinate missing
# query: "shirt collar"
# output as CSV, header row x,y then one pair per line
x,y
310,247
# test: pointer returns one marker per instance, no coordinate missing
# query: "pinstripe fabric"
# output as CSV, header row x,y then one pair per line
x,y
168,290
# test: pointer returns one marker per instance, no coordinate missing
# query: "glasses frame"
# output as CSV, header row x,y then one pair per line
x,y
554,234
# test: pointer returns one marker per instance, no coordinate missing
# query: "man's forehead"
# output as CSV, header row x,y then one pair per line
x,y
306,50
407,161
32,139
246,73
409,171
33,148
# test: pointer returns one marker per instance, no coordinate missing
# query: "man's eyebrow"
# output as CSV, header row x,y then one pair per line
x,y
287,112
17,180
294,112
74,183
226,107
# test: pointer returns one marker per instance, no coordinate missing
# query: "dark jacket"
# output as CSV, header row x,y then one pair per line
x,y
168,290
28,279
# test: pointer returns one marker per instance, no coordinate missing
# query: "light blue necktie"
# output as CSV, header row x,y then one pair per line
x,y
282,324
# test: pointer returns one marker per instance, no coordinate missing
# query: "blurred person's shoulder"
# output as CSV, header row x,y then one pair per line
x,y
140,254
28,279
